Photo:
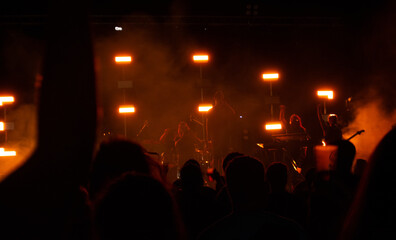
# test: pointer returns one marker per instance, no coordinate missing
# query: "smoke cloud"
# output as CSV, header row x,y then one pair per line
x,y
372,117
22,138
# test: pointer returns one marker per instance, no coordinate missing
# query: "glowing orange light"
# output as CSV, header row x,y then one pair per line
x,y
201,58
260,145
323,143
273,126
2,127
295,166
326,93
6,99
123,59
270,77
204,108
4,153
126,109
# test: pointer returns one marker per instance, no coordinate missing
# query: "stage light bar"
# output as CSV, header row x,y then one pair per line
x,y
201,58
270,77
6,99
2,126
4,153
126,109
327,93
273,126
123,59
205,108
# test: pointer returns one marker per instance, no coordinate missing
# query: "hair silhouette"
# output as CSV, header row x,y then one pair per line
x,y
138,207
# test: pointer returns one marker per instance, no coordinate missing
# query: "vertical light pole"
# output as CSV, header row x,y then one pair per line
x,y
201,59
204,109
271,77
5,100
326,94
124,60
273,127
126,110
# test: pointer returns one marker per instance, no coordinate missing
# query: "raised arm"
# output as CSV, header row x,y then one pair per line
x,y
39,198
320,120
282,116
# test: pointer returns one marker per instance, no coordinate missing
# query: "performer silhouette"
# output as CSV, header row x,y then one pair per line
x,y
331,129
296,147
221,129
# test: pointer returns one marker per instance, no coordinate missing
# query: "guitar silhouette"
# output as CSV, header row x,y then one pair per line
x,y
354,135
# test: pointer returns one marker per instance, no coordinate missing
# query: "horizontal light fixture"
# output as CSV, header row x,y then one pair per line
x,y
126,109
4,153
270,77
6,99
273,126
205,108
123,59
326,93
201,58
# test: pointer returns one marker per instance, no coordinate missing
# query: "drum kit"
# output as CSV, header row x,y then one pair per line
x,y
156,150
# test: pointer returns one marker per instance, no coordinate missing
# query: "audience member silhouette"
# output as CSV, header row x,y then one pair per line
x,y
343,166
335,190
359,167
42,198
117,156
196,202
220,180
372,214
223,201
280,201
305,186
302,192
137,207
246,184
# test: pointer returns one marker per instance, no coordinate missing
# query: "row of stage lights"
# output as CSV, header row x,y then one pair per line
x,y
203,108
130,109
204,58
3,125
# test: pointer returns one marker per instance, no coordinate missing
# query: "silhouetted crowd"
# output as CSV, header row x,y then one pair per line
x,y
129,195
68,189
